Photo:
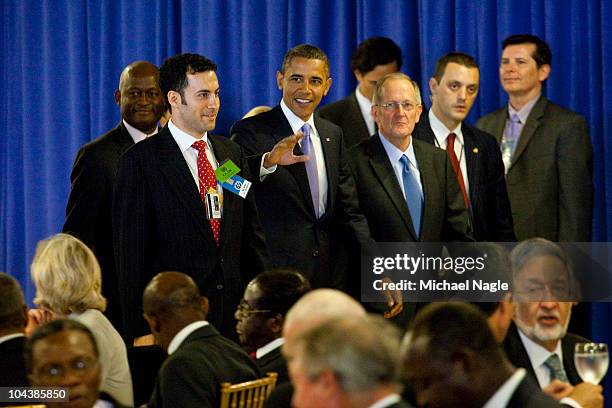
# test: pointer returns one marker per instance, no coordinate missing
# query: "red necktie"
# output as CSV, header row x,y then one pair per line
x,y
450,148
207,178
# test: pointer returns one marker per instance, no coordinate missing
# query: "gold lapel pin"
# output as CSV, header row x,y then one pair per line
x,y
475,150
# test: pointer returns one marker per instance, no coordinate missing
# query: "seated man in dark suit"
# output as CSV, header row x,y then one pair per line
x,y
347,362
13,321
200,359
63,353
407,188
261,313
474,154
373,59
451,359
539,341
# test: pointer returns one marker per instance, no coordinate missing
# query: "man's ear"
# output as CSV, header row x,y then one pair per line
x,y
433,85
279,80
275,323
543,72
174,98
358,75
118,97
154,322
204,305
328,84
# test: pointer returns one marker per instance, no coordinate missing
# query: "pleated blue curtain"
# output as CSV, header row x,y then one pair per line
x,y
61,62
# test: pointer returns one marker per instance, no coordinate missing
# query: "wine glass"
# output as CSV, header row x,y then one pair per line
x,y
591,360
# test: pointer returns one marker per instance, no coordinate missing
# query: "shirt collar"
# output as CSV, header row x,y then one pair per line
x,y
524,112
441,132
271,346
183,139
396,154
538,354
295,122
364,103
137,135
386,401
504,393
180,337
10,337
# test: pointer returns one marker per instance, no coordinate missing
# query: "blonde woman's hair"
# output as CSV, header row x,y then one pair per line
x,y
67,276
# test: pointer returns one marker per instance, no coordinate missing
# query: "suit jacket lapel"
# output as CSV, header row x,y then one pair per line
x,y
123,140
230,200
379,161
298,170
471,151
357,117
331,148
427,170
533,121
174,167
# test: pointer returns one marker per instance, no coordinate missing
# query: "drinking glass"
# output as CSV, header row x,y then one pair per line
x,y
591,361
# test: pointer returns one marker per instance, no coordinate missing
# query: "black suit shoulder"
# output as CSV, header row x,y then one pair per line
x,y
346,113
192,375
528,395
274,362
12,367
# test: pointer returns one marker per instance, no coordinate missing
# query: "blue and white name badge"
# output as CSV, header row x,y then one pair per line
x,y
237,185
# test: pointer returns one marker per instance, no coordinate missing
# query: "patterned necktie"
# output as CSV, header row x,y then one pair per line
x,y
206,176
414,196
553,363
509,140
311,167
450,148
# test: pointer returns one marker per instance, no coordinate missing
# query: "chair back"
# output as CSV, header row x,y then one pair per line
x,y
250,394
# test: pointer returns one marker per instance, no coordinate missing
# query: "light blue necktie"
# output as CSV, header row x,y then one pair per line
x,y
414,196
311,167
509,141
553,362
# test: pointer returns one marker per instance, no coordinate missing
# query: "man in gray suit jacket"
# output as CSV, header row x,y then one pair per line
x,y
373,59
546,149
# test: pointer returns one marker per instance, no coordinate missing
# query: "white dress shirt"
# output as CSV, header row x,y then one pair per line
x,y
395,155
268,348
441,133
180,337
137,135
365,106
296,124
10,337
387,401
504,393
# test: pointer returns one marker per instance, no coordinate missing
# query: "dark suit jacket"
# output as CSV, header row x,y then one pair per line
x,y
295,237
274,362
489,205
12,364
529,395
382,201
347,114
192,375
550,180
160,225
518,354
89,208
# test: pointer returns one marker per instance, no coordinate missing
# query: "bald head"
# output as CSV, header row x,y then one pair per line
x,y
13,310
317,306
139,96
170,294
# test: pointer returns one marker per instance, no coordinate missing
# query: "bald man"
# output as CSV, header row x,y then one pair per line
x,y
200,359
88,213
312,309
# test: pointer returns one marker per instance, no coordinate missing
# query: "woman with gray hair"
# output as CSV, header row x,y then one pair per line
x,y
68,282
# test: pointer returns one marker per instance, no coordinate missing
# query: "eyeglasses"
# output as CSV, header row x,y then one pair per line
x,y
393,106
244,309
544,292
79,367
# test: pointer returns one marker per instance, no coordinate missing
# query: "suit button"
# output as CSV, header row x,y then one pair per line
x,y
219,286
315,254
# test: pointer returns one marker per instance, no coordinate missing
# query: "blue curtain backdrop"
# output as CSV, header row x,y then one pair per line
x,y
62,60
